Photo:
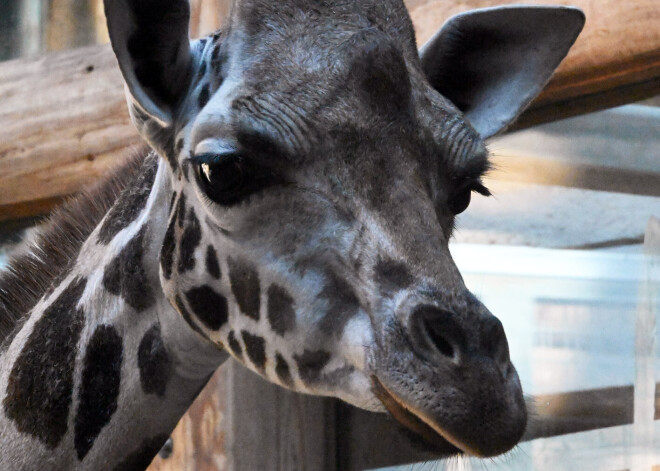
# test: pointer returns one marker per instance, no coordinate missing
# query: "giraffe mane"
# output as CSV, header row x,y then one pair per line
x,y
36,266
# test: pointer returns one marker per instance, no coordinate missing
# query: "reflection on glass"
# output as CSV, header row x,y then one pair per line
x,y
582,334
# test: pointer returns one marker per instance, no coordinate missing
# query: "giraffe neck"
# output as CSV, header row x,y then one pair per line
x,y
103,367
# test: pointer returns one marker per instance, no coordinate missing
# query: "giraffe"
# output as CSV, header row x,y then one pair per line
x,y
307,163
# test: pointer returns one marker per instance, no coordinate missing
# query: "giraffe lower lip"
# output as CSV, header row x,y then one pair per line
x,y
415,424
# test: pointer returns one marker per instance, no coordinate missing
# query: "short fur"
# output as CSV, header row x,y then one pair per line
x,y
38,265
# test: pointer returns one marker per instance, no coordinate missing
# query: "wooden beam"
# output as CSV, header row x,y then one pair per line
x,y
574,175
64,123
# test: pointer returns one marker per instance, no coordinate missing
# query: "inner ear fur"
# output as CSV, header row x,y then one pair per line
x,y
151,41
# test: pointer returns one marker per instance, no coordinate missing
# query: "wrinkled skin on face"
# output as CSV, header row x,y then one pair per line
x,y
316,175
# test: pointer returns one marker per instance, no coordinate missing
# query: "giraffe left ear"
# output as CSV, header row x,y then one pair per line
x,y
150,39
491,63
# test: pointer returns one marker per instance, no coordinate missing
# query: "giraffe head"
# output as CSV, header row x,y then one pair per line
x,y
317,161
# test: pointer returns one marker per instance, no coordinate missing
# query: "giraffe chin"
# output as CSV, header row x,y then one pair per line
x,y
432,436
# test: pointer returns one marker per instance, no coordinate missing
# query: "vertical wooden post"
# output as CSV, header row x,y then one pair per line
x,y
240,422
271,428
199,440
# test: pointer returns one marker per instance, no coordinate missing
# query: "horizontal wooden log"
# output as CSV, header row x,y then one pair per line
x,y
586,176
63,124
63,120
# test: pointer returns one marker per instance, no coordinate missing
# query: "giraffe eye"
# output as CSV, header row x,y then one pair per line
x,y
227,179
460,202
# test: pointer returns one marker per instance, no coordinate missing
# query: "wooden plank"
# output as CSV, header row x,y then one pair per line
x,y
553,217
63,120
206,16
199,440
269,427
542,171
240,422
63,123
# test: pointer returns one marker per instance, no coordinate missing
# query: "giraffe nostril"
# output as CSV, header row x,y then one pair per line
x,y
437,332
438,339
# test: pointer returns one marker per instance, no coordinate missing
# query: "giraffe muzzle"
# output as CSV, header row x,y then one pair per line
x,y
450,381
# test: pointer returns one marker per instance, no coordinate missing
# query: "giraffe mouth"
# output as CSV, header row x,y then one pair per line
x,y
431,434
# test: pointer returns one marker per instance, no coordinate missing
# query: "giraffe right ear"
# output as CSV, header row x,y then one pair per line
x,y
150,39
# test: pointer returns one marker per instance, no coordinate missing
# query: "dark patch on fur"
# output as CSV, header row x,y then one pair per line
x,y
154,362
167,251
186,315
181,210
125,276
179,146
141,458
282,370
255,347
281,314
378,72
40,384
204,96
343,304
310,364
100,387
130,203
209,306
392,275
29,275
234,345
192,236
212,265
245,286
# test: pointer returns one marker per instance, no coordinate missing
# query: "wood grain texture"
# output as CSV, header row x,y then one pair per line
x,y
271,428
240,422
542,171
63,120
200,437
206,16
63,123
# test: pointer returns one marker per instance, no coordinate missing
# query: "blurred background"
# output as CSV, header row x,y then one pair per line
x,y
565,253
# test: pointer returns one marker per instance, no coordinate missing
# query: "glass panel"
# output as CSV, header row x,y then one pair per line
x,y
582,335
